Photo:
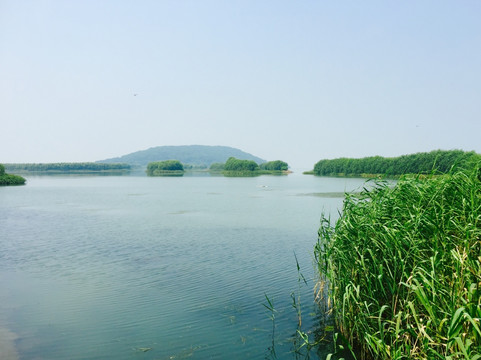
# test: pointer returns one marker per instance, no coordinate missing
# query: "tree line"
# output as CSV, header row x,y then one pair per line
x,y
65,167
437,161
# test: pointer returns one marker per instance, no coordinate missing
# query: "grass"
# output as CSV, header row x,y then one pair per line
x,y
403,266
308,336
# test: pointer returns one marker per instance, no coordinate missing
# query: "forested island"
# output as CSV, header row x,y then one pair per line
x,y
236,167
165,168
438,161
69,167
10,179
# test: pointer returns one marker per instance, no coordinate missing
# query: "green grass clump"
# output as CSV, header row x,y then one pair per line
x,y
403,265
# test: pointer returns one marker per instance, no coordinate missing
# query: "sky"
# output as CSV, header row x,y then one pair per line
x,y
298,81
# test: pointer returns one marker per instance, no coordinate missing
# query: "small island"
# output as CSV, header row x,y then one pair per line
x,y
241,168
9,179
165,168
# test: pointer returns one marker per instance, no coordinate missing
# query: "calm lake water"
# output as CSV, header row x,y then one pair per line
x,y
126,267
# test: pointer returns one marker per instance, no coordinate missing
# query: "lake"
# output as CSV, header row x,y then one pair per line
x,y
136,267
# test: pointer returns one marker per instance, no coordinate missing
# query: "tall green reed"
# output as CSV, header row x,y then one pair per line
x,y
403,266
308,336
272,316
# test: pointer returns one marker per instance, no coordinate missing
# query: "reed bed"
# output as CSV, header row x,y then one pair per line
x,y
403,266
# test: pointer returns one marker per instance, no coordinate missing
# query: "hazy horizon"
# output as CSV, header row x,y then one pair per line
x,y
300,82
295,167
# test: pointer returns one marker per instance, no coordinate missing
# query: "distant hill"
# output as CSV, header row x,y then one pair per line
x,y
199,155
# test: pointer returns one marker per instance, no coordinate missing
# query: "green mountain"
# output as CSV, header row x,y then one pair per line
x,y
198,155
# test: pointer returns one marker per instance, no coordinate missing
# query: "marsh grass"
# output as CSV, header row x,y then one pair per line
x,y
272,316
403,268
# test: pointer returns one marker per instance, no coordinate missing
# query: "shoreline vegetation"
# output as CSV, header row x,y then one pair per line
x,y
75,167
402,266
437,161
10,179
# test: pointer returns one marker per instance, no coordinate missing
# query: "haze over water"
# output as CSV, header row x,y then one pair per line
x,y
110,267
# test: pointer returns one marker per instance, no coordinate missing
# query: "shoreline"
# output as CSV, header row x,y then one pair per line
x,y
7,345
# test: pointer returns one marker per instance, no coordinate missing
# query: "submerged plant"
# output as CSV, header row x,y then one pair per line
x,y
403,266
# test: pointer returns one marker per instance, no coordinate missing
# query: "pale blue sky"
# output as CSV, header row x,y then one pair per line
x,y
293,80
